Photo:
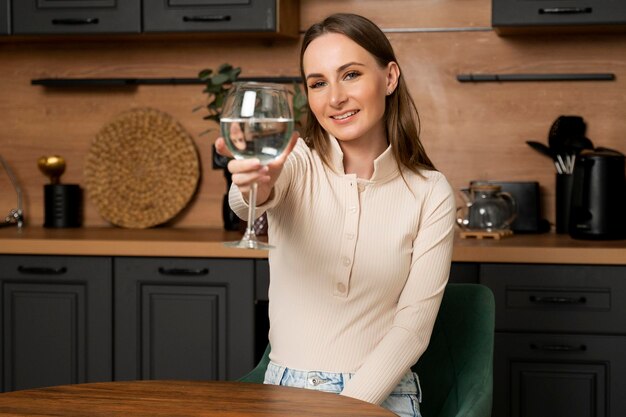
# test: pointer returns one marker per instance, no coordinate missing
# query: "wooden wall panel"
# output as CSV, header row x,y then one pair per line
x,y
407,14
472,131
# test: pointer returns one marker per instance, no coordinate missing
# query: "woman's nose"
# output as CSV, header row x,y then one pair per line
x,y
337,96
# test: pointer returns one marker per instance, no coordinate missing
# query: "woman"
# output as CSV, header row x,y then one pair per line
x,y
361,221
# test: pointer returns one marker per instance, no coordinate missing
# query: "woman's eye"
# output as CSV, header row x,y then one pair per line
x,y
352,75
317,84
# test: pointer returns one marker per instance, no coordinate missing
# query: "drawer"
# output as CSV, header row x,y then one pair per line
x,y
54,268
185,270
560,298
551,375
36,17
557,12
209,16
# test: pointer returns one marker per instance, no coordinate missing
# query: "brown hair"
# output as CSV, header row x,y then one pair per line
x,y
401,116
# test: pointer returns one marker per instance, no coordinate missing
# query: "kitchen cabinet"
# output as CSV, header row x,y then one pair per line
x,y
560,339
277,16
510,14
5,14
181,318
274,18
56,320
76,16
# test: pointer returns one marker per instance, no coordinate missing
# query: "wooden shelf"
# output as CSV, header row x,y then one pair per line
x,y
197,242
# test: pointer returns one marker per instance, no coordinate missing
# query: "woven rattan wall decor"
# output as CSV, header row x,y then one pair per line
x,y
141,169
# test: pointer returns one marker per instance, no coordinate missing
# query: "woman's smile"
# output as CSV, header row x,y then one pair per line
x,y
345,117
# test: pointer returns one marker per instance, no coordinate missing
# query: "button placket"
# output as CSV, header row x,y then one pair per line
x,y
348,244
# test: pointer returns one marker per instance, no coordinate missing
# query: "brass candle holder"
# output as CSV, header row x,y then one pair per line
x,y
62,202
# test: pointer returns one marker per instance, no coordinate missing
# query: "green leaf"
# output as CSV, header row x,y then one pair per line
x,y
234,74
219,79
205,73
224,68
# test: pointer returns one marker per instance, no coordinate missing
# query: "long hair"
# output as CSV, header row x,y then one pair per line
x,y
401,116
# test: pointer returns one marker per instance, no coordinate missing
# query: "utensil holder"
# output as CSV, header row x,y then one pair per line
x,y
564,184
62,205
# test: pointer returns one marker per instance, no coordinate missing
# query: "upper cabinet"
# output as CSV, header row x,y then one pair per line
x,y
4,17
511,15
272,16
264,18
76,16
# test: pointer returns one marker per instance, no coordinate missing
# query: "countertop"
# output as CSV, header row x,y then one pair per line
x,y
198,242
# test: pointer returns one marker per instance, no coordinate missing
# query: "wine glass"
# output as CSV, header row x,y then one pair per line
x,y
256,122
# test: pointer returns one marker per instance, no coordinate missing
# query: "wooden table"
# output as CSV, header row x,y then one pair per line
x,y
182,398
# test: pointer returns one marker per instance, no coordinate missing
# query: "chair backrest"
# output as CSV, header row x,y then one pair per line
x,y
456,370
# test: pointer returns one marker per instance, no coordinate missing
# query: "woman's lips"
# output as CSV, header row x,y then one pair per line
x,y
345,116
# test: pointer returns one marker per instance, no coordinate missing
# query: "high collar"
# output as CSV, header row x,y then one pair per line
x,y
385,166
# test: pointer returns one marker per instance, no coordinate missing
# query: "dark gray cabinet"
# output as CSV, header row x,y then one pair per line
x,y
5,13
56,320
277,18
210,15
181,318
555,13
560,339
76,16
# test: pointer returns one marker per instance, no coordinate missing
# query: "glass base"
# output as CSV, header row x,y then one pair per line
x,y
249,244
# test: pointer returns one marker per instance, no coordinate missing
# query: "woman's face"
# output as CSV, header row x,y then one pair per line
x,y
347,88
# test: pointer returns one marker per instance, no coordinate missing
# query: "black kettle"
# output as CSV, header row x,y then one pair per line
x,y
598,200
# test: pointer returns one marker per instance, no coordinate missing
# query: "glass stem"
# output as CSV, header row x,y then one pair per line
x,y
250,235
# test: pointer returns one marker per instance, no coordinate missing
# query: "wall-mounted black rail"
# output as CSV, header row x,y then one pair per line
x,y
481,78
131,82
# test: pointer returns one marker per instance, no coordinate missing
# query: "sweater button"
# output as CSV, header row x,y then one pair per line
x,y
346,261
341,288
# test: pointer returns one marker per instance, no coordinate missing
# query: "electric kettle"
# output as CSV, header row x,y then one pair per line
x,y
598,200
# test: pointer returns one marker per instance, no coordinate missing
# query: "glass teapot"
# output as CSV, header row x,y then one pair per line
x,y
486,208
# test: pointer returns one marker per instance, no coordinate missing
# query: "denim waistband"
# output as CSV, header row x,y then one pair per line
x,y
330,381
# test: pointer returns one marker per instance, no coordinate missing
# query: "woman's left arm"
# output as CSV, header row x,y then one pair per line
x,y
418,303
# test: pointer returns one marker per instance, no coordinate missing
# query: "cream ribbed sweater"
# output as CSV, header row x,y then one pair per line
x,y
359,268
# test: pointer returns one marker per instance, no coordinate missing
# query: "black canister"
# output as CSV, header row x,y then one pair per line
x,y
564,183
63,205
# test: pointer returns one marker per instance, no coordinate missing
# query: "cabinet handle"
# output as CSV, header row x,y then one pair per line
x,y
183,271
566,10
559,348
207,18
74,22
557,300
41,270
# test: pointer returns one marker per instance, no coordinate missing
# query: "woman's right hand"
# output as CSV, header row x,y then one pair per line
x,y
245,172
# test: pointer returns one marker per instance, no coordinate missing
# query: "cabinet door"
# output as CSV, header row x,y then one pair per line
x,y
557,12
76,16
183,318
209,15
56,320
5,15
547,375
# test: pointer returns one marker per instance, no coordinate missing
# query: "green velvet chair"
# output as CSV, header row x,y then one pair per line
x,y
456,371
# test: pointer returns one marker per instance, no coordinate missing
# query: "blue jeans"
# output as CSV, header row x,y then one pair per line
x,y
404,399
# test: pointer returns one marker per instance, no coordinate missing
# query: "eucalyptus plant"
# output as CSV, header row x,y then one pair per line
x,y
217,86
